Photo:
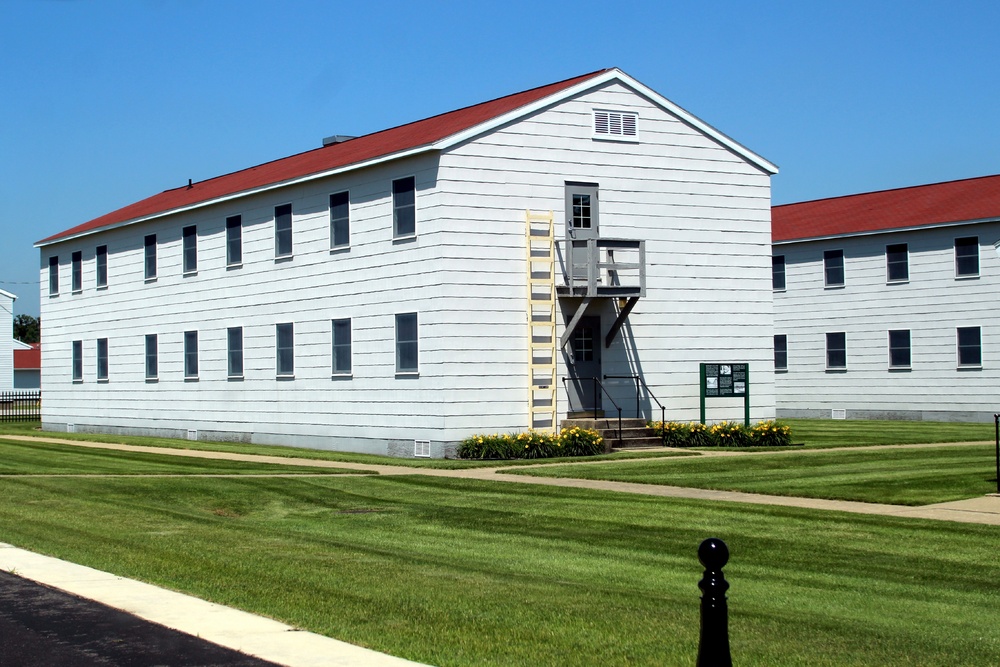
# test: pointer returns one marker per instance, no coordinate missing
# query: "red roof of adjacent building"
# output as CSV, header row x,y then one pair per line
x,y
967,200
354,151
28,360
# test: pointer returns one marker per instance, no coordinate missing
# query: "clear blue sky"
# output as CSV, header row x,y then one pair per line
x,y
107,102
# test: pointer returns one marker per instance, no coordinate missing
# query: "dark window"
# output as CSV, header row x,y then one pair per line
x,y
283,230
235,349
77,271
53,275
342,347
897,262
102,265
404,207
150,244
581,216
833,268
836,350
899,348
285,349
151,357
780,352
778,272
583,343
234,240
102,358
190,354
189,237
78,361
967,256
340,220
970,348
406,343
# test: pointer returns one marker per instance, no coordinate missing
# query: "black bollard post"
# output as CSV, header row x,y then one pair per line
x,y
713,646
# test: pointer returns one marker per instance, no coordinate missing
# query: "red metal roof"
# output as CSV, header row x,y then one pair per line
x,y
355,151
916,206
26,360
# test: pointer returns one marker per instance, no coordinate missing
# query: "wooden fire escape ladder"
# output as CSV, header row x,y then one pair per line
x,y
540,247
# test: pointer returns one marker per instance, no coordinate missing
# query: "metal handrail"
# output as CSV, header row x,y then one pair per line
x,y
598,383
639,381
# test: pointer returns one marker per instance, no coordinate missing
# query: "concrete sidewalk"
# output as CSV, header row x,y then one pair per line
x,y
253,635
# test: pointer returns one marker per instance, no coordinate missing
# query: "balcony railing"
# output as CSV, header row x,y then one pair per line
x,y
601,267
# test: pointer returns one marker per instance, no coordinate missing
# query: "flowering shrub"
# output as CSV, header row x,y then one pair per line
x,y
573,441
724,434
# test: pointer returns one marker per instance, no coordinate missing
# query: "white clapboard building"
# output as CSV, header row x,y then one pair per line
x,y
494,268
885,304
6,340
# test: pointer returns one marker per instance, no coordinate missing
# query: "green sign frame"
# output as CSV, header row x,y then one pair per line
x,y
726,380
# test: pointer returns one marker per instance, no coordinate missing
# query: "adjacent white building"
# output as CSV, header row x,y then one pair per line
x,y
886,304
394,293
7,340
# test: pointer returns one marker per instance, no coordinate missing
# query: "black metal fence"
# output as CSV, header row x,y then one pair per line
x,y
20,406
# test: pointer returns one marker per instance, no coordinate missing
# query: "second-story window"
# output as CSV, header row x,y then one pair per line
x,y
77,274
283,230
53,276
897,263
833,268
150,256
967,257
404,207
340,220
778,272
189,242
101,262
234,240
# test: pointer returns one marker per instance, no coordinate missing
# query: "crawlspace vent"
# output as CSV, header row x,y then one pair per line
x,y
422,448
838,414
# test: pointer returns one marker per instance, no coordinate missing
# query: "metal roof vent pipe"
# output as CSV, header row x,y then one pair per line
x,y
336,139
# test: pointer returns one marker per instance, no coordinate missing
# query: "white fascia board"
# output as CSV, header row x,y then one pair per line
x,y
10,296
622,77
244,193
890,230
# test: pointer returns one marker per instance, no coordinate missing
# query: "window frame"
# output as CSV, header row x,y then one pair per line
x,y
76,273
339,345
284,342
978,347
398,209
152,358
101,266
282,232
191,355
54,275
233,352
149,257
894,347
831,350
189,250
778,260
342,223
234,241
896,263
77,360
781,353
404,345
102,359
959,273
829,255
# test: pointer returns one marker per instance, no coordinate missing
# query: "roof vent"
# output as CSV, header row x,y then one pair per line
x,y
615,124
336,139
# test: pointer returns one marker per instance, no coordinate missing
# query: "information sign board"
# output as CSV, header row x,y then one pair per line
x,y
722,380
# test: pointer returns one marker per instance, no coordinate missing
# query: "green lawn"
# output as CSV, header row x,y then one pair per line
x,y
847,432
453,572
902,477
43,458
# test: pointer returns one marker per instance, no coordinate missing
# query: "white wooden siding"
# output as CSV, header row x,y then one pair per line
x,y
704,212
932,304
7,341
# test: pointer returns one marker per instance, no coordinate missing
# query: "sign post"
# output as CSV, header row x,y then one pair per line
x,y
726,380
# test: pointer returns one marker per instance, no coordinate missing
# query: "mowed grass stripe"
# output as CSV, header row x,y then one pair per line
x,y
42,458
853,432
901,477
456,572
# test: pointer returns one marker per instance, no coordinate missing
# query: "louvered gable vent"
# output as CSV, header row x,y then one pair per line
x,y
615,124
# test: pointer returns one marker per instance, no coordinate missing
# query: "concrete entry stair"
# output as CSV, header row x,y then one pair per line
x,y
635,434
